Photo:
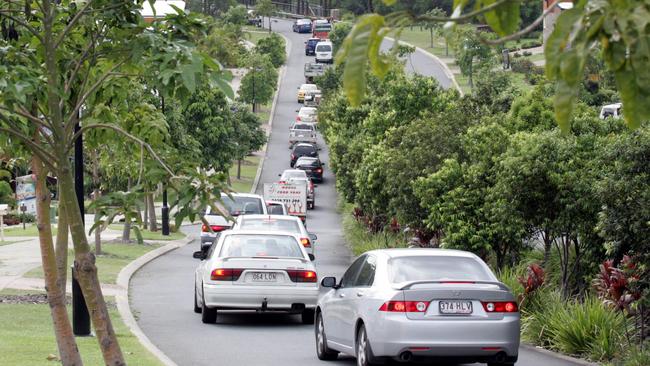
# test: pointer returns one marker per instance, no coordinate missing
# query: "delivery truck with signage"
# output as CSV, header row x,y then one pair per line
x,y
293,195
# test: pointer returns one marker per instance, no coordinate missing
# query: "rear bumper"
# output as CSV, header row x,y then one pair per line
x,y
252,297
475,339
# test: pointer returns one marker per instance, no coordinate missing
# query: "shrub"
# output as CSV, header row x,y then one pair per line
x,y
523,66
530,44
637,356
517,55
527,53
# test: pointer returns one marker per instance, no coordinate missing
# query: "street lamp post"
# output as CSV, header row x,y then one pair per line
x,y
165,207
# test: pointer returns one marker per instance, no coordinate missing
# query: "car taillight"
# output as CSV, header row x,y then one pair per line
x,y
293,156
298,119
215,228
405,306
226,274
319,170
302,276
305,242
500,306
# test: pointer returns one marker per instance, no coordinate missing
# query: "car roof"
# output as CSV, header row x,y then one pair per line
x,y
293,170
309,85
258,232
270,217
327,41
303,144
423,252
308,109
236,194
306,158
615,105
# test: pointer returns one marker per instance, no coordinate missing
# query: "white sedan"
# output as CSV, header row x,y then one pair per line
x,y
255,270
284,223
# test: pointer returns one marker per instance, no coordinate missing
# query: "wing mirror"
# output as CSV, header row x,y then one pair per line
x,y
312,257
313,237
329,282
200,255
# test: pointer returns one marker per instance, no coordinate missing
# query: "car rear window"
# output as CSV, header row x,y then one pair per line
x,y
305,150
250,245
323,48
275,209
303,126
436,268
243,205
271,224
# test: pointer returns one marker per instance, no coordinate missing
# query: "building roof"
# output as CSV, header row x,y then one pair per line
x,y
162,8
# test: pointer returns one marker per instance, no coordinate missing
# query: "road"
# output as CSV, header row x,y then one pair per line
x,y
161,292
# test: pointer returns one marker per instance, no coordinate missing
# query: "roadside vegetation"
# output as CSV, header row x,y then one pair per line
x,y
492,173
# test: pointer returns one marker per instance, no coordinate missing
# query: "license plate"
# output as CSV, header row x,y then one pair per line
x,y
264,277
455,307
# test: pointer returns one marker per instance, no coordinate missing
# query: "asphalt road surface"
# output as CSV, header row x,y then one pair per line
x,y
161,292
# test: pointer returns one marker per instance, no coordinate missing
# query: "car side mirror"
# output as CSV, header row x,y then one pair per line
x,y
329,282
200,255
313,236
312,257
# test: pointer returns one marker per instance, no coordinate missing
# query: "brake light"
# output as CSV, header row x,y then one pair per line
x,y
226,274
500,306
302,276
215,228
293,156
405,306
305,242
298,119
319,170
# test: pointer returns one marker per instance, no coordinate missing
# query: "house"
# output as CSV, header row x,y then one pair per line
x,y
549,20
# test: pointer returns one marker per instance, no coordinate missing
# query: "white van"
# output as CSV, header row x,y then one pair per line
x,y
324,52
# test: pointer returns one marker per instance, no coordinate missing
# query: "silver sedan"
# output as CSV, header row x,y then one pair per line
x,y
255,270
418,305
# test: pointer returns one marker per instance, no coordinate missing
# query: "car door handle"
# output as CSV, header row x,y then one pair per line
x,y
360,294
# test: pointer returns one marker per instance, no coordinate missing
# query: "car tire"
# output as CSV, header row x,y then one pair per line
x,y
307,316
500,364
323,352
363,350
208,315
197,308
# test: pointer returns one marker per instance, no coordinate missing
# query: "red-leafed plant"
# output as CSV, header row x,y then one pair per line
x,y
394,226
616,286
534,279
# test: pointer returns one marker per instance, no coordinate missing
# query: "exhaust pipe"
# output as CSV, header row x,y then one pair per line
x,y
500,357
406,356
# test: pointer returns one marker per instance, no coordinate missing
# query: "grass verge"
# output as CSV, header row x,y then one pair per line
x,y
29,230
28,338
360,240
248,172
110,263
150,235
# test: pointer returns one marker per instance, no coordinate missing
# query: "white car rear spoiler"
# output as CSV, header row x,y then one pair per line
x,y
408,285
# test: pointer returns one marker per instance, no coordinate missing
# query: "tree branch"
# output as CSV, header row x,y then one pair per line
x,y
47,158
72,23
31,29
124,133
524,31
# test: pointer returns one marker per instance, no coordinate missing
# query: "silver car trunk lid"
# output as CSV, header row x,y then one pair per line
x,y
455,300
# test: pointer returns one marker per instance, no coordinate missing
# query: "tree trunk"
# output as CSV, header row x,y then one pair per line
x,y
238,168
96,194
145,218
431,34
62,246
548,242
126,231
66,343
153,222
87,274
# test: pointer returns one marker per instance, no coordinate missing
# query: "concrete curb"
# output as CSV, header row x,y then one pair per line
x,y
446,68
563,357
122,299
283,69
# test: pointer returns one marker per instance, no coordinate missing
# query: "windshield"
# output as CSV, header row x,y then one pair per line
x,y
322,27
271,225
436,268
241,205
251,245
323,48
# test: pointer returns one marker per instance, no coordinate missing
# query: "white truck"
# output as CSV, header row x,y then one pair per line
x,y
294,196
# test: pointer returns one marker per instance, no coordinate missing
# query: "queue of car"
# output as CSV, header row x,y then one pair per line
x,y
404,305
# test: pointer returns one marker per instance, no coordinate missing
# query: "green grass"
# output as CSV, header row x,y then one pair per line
x,y
149,235
28,339
110,263
519,80
422,39
30,230
255,35
248,172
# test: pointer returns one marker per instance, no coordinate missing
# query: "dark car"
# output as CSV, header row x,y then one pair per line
x,y
303,149
302,26
310,46
312,166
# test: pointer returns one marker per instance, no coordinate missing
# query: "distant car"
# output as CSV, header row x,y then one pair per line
x,y
289,174
418,304
304,88
254,19
324,51
302,149
302,132
290,224
611,110
239,204
312,166
302,26
276,208
310,46
307,114
255,270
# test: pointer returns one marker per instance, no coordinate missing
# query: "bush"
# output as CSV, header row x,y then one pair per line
x,y
530,44
527,53
523,66
517,55
273,46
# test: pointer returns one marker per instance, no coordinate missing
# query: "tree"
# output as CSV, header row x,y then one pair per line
x,y
247,135
259,83
52,66
468,48
274,47
236,15
576,31
266,8
338,34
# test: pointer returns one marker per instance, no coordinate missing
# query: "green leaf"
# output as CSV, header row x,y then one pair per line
x,y
389,2
505,18
138,233
565,96
559,40
635,109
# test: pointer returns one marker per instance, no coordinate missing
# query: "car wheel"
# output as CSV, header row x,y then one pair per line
x,y
364,352
322,351
501,364
208,315
308,316
197,308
